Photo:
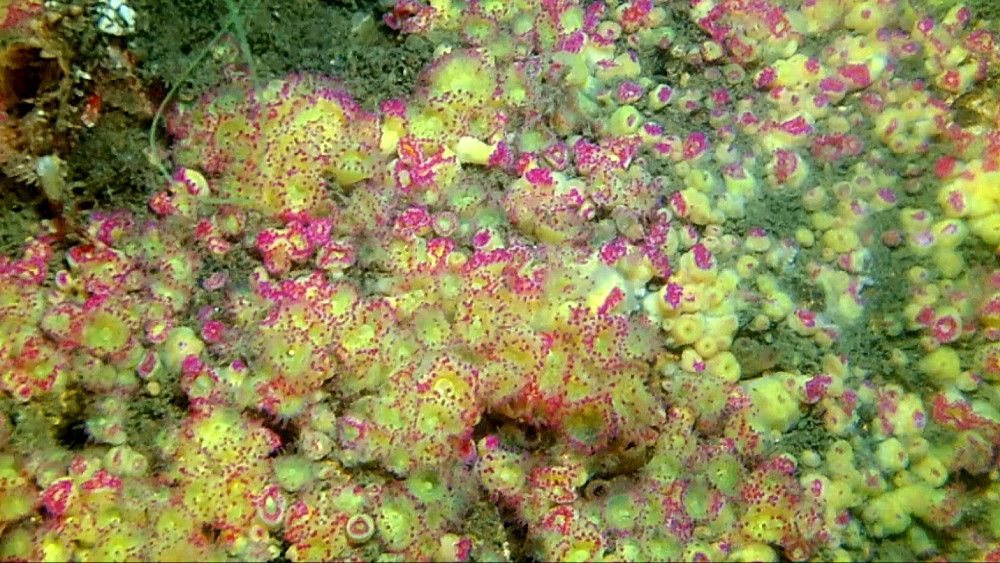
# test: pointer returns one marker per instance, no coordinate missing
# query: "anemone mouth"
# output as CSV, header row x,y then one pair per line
x,y
105,333
596,489
586,428
360,528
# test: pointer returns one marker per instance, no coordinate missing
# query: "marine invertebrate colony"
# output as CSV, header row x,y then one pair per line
x,y
499,317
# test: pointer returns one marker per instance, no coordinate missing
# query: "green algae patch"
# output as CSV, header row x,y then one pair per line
x,y
21,209
346,41
110,167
